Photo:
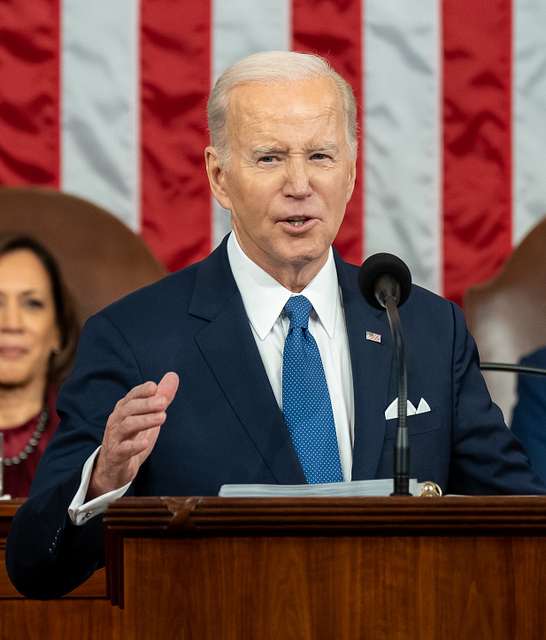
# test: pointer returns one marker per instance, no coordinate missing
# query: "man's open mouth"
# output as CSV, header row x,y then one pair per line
x,y
297,221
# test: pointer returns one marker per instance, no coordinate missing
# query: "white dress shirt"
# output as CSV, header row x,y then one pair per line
x,y
264,299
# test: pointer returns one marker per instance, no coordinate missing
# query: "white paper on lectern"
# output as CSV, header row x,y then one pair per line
x,y
356,488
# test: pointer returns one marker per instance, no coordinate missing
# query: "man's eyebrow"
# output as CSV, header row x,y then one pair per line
x,y
266,151
276,150
324,146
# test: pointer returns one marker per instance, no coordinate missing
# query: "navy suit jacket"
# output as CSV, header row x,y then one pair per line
x,y
224,425
529,419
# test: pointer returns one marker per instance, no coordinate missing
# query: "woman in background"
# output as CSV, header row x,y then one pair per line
x,y
38,336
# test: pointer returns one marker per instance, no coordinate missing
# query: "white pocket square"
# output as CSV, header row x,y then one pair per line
x,y
391,412
423,406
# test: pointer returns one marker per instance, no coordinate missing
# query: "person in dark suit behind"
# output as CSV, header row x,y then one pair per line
x,y
529,417
262,363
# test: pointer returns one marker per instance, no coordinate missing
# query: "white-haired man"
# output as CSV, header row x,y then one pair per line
x,y
253,365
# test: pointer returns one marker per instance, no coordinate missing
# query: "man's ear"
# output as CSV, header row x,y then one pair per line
x,y
216,174
351,179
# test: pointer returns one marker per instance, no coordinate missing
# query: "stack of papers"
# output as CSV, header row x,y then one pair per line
x,y
332,489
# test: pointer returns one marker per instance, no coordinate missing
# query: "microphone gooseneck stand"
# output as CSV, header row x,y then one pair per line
x,y
388,295
385,282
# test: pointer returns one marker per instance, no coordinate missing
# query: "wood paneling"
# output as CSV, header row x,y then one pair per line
x,y
370,568
394,568
337,588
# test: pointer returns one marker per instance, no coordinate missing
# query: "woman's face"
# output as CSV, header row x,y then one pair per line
x,y
28,327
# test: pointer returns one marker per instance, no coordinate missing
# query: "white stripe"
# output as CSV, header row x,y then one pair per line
x,y
402,177
100,104
242,27
529,126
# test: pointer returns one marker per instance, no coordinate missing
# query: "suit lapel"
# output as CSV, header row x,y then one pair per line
x,y
228,346
371,367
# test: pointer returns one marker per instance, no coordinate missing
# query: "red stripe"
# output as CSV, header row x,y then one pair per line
x,y
175,81
333,29
29,92
477,191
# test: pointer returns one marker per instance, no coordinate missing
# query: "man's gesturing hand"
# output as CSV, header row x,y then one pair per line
x,y
131,433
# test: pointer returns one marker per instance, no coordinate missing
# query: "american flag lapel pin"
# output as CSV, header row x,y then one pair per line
x,y
373,337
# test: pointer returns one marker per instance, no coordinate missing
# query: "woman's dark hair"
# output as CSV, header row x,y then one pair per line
x,y
65,312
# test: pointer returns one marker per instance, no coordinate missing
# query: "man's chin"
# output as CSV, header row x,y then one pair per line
x,y
307,251
307,259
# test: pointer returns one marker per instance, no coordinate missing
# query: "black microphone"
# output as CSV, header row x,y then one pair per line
x,y
385,282
383,275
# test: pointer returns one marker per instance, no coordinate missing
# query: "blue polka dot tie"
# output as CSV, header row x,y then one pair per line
x,y
306,402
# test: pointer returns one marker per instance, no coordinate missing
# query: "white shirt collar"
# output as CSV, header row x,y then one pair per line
x,y
264,298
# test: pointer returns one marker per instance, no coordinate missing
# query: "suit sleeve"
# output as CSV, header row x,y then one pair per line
x,y
46,555
486,458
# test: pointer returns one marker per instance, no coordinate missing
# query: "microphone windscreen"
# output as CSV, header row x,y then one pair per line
x,y
383,264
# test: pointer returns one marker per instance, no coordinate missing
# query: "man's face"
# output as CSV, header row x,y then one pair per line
x,y
289,176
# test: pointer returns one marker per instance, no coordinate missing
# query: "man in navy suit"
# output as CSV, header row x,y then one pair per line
x,y
177,388
529,419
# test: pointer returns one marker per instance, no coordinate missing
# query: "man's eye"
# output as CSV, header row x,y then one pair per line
x,y
320,156
268,159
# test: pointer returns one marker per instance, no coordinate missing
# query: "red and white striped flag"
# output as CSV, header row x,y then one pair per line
x,y
106,99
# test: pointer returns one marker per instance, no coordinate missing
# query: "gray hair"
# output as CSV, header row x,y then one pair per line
x,y
274,66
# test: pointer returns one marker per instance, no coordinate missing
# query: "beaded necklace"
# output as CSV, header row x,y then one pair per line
x,y
32,441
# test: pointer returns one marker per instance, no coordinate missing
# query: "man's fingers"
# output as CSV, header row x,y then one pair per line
x,y
141,409
149,396
144,390
132,437
134,424
140,406
168,386
126,450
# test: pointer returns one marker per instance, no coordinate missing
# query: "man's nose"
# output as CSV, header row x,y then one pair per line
x,y
297,183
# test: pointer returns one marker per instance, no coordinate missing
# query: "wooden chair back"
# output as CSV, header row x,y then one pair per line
x,y
101,259
507,315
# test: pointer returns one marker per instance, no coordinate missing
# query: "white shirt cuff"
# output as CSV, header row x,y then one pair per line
x,y
81,512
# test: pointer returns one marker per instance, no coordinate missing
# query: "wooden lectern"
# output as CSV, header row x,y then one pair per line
x,y
335,569
258,569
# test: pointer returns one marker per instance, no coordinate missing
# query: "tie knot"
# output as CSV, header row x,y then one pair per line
x,y
298,309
